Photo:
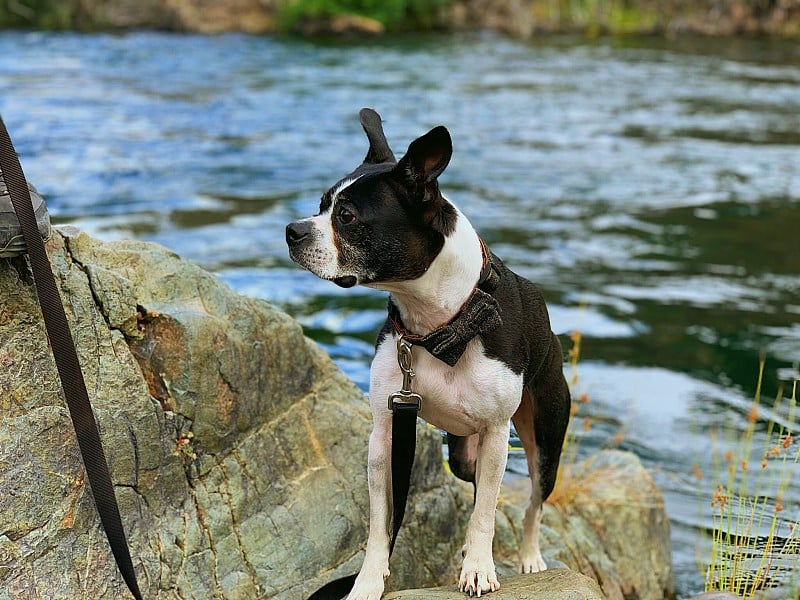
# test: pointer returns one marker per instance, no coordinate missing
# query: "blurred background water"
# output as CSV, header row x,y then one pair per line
x,y
650,187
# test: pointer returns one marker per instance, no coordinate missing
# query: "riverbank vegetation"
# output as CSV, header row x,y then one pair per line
x,y
675,17
391,14
522,18
755,532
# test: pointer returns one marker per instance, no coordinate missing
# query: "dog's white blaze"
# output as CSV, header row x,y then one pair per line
x,y
341,187
320,257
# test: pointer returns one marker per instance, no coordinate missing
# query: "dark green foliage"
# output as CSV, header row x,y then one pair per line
x,y
393,14
39,14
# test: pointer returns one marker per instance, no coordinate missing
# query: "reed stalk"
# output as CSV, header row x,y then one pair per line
x,y
754,546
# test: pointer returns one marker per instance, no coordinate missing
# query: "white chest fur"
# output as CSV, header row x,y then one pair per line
x,y
476,393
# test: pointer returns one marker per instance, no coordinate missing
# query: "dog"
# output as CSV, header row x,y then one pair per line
x,y
493,357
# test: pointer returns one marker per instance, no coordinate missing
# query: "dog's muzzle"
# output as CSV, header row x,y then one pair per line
x,y
298,235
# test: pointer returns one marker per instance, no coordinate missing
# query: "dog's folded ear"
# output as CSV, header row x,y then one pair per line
x,y
427,156
379,151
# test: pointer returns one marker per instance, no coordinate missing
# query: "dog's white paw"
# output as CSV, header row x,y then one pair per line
x,y
532,563
369,586
366,592
478,577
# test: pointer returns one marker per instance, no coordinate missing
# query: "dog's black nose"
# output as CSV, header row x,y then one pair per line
x,y
298,231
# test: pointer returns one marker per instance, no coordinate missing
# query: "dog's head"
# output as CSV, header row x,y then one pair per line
x,y
384,222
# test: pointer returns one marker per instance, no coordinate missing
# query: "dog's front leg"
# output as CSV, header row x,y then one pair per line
x,y
370,581
477,572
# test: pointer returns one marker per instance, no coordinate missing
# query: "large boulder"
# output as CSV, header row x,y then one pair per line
x,y
238,452
236,446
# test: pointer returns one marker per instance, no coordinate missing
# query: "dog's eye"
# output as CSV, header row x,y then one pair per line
x,y
344,216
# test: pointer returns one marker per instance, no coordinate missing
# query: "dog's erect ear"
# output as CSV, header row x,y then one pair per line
x,y
427,156
379,151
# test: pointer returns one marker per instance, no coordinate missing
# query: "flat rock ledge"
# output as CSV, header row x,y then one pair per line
x,y
238,451
553,584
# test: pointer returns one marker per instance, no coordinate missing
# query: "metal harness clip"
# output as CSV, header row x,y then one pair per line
x,y
405,396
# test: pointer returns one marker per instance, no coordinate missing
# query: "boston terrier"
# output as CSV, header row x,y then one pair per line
x,y
483,355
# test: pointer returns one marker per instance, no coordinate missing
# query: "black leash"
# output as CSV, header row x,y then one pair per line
x,y
404,405
66,359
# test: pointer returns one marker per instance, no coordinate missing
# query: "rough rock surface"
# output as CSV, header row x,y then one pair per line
x,y
237,450
202,16
213,16
553,584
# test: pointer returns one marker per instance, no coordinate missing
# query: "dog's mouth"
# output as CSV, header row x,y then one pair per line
x,y
347,281
301,258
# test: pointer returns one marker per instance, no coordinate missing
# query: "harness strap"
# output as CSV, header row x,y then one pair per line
x,y
66,359
479,314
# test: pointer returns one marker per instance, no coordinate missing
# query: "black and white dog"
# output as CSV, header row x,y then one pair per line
x,y
485,353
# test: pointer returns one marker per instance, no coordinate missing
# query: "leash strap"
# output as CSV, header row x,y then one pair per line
x,y
66,359
404,445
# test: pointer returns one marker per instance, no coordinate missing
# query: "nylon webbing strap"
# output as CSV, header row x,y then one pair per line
x,y
66,359
404,444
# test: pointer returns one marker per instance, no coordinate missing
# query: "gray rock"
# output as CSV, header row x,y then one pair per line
x,y
238,453
236,446
553,584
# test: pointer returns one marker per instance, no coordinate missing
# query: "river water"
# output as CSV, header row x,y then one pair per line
x,y
650,187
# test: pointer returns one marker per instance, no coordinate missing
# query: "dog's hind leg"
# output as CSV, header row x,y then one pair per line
x,y
530,555
541,423
462,456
